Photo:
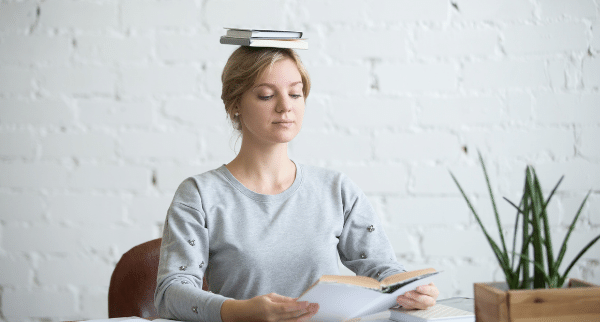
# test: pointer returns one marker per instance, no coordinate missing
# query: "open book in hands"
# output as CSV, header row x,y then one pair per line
x,y
343,298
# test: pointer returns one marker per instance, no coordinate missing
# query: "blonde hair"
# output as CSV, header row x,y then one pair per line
x,y
245,65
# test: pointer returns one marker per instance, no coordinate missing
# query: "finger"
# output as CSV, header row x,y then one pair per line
x,y
291,313
414,300
430,290
296,306
313,308
405,302
286,304
287,309
283,307
310,311
291,316
408,303
424,301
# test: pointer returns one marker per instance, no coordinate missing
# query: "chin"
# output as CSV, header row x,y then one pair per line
x,y
284,138
275,137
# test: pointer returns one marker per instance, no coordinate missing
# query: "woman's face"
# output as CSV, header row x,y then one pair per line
x,y
271,111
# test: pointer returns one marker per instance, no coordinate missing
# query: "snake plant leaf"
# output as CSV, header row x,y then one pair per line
x,y
585,249
498,222
515,231
552,266
540,268
519,210
516,228
547,239
524,249
554,189
538,252
526,237
526,280
563,248
525,283
500,256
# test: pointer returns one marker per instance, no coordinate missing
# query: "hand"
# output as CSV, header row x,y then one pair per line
x,y
421,298
271,307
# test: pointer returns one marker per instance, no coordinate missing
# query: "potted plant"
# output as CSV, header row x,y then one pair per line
x,y
534,284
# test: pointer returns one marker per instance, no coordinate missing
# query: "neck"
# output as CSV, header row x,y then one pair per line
x,y
264,169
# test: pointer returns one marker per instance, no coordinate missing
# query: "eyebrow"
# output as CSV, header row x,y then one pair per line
x,y
271,85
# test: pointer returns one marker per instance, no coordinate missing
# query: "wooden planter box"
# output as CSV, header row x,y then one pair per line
x,y
580,301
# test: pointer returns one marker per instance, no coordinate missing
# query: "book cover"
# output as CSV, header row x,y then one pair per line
x,y
265,42
343,298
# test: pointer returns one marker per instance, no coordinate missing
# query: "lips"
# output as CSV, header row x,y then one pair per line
x,y
283,121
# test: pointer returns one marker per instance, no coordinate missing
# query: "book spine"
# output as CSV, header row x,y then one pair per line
x,y
235,41
239,33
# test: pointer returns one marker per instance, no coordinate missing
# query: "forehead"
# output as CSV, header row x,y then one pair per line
x,y
284,70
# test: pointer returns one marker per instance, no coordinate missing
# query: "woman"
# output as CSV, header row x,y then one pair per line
x,y
262,228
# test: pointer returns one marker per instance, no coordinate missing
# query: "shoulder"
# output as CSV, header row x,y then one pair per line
x,y
328,177
190,190
327,184
315,173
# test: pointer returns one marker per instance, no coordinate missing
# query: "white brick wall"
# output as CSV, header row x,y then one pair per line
x,y
106,106
507,74
35,49
17,15
416,77
494,11
449,43
79,15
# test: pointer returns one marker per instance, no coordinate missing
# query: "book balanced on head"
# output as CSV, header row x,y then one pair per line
x,y
342,298
264,38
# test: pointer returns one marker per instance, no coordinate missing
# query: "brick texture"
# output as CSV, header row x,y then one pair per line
x,y
106,106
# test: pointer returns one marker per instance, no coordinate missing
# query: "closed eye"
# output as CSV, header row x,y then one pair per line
x,y
295,95
265,98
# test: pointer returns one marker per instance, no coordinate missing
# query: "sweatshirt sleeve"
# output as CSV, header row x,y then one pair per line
x,y
363,245
183,261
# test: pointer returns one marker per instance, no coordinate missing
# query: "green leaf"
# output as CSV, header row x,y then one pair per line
x,y
540,267
585,249
524,254
525,283
547,239
563,248
500,256
526,237
554,190
516,229
498,223
538,255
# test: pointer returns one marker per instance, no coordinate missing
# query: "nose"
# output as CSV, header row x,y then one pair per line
x,y
284,104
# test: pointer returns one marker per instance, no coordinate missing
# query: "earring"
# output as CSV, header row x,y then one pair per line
x,y
237,114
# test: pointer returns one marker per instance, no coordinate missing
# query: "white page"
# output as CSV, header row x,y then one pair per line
x,y
388,300
335,297
336,304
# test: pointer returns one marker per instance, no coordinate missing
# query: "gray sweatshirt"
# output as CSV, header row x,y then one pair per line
x,y
251,244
